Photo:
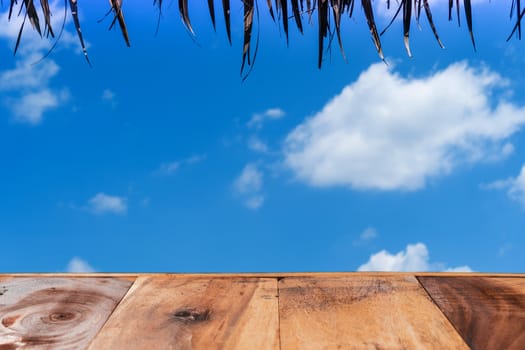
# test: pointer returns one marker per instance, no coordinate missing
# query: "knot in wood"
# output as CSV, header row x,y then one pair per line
x,y
192,315
61,316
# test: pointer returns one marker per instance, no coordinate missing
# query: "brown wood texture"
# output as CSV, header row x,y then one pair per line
x,y
133,276
361,313
194,313
55,313
488,312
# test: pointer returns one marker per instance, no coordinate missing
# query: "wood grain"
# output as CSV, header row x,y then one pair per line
x,y
361,313
194,313
55,313
489,313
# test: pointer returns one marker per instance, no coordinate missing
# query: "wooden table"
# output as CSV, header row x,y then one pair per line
x,y
262,311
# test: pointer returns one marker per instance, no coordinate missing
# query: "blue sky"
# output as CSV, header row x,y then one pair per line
x,y
160,159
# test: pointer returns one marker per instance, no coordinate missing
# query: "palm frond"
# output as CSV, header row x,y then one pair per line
x,y
329,20
74,13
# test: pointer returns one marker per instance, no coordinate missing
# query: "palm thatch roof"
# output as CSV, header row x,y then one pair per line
x,y
329,14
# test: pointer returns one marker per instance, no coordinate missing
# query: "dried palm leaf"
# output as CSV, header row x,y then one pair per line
x,y
211,9
116,7
431,22
74,13
184,15
517,26
46,11
369,14
278,9
249,8
322,12
407,13
297,15
516,6
226,10
270,9
338,8
468,15
283,6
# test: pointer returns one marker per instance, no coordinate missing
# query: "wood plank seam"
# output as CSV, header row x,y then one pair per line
x,y
440,310
111,313
278,279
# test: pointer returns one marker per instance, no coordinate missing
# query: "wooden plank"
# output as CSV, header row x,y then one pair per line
x,y
361,313
194,313
56,313
489,313
262,275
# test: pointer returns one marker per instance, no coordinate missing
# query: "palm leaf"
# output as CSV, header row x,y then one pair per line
x,y
431,22
211,9
283,6
369,14
270,9
158,3
322,12
277,8
46,11
248,25
338,8
20,34
517,26
226,10
184,14
116,7
407,13
74,13
297,15
516,7
249,8
468,15
32,15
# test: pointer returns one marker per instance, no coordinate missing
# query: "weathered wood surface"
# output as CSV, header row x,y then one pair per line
x,y
55,313
263,311
488,312
361,313
196,313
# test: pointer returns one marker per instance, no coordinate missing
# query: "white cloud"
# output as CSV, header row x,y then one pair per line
x,y
197,158
257,145
515,186
77,265
274,113
102,203
258,119
26,87
250,180
26,75
414,258
255,202
463,268
30,107
387,132
249,184
108,95
368,234
168,168
365,237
